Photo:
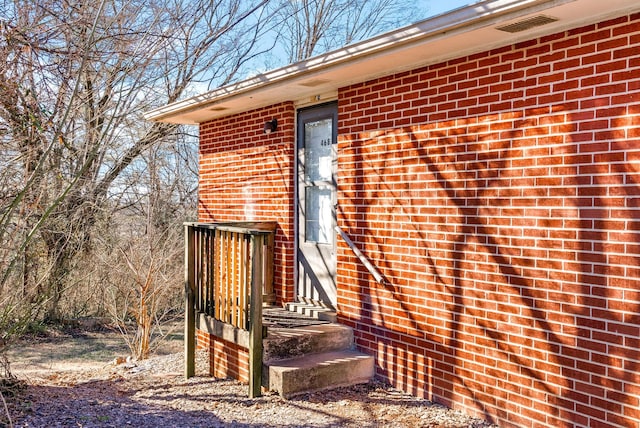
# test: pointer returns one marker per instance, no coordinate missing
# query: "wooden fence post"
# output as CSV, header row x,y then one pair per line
x,y
255,329
189,302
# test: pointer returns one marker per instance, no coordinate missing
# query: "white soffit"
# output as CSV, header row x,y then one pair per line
x,y
454,34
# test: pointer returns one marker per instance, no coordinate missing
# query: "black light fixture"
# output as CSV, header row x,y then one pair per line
x,y
270,126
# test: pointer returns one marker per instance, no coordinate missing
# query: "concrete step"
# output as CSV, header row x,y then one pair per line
x,y
313,311
286,343
274,316
317,371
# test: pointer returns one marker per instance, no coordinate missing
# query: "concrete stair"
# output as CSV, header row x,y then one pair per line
x,y
312,358
312,311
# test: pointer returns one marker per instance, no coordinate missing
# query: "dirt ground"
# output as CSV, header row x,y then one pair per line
x,y
72,380
79,349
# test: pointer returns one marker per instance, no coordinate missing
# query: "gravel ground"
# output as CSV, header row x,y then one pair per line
x,y
153,393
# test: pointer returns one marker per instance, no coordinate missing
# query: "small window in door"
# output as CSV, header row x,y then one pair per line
x,y
319,215
317,151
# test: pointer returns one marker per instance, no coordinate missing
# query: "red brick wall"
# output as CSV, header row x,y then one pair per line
x,y
247,175
500,195
226,359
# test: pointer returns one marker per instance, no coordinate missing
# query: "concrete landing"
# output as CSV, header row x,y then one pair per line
x,y
318,371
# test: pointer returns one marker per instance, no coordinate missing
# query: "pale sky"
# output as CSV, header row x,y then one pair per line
x,y
436,7
428,8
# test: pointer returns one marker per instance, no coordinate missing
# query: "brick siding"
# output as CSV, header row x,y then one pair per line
x,y
499,194
246,175
226,359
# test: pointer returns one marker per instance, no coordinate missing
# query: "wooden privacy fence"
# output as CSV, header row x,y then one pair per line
x,y
228,276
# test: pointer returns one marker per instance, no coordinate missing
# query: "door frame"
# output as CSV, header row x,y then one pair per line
x,y
299,136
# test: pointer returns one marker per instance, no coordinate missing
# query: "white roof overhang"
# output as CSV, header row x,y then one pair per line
x,y
458,33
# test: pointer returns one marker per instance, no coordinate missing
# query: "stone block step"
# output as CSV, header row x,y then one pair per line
x,y
286,343
273,316
314,311
318,371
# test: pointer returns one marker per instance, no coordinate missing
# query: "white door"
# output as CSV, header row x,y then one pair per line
x,y
317,171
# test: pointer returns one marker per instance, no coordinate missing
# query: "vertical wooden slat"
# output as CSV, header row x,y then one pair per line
x,y
209,257
229,284
195,263
203,263
225,277
234,281
205,271
255,331
218,272
225,283
221,276
269,294
211,266
192,232
190,312
247,285
242,322
202,267
239,283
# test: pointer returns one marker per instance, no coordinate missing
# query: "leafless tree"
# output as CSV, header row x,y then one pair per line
x,y
148,243
310,27
75,79
83,178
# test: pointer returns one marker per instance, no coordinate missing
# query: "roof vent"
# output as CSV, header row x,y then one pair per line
x,y
527,24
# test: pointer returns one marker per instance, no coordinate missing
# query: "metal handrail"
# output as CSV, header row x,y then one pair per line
x,y
380,279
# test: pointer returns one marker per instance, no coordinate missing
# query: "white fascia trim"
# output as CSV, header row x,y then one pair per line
x,y
465,17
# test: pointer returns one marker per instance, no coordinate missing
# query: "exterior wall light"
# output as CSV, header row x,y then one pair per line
x,y
270,126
